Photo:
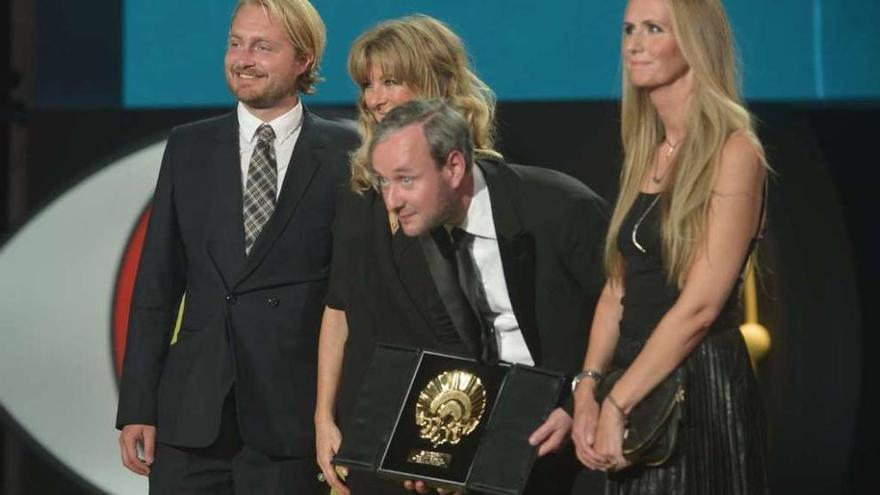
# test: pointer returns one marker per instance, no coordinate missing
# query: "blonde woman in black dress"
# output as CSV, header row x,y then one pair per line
x,y
688,213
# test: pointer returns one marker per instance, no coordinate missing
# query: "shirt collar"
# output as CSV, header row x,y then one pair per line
x,y
284,126
479,220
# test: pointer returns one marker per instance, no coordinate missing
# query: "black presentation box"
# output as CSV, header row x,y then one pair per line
x,y
382,435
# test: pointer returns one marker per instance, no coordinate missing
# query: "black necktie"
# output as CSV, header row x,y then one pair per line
x,y
440,261
472,285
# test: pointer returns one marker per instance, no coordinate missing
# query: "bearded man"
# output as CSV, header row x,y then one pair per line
x,y
240,225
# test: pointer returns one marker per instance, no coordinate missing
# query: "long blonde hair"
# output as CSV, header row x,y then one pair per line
x,y
425,55
715,112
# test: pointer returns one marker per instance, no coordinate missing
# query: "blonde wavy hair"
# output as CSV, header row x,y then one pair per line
x,y
306,30
715,112
426,56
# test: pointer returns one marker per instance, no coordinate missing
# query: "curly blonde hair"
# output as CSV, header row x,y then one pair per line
x,y
426,56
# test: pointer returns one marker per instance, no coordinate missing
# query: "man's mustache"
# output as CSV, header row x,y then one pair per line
x,y
237,69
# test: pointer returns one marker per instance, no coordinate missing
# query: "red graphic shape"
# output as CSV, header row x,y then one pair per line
x,y
125,287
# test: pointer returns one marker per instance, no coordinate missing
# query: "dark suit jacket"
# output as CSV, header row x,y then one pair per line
x,y
249,321
551,230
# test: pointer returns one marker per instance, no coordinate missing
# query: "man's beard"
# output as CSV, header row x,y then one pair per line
x,y
267,97
262,100
446,211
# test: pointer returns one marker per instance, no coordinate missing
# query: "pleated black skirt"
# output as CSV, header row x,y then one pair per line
x,y
722,448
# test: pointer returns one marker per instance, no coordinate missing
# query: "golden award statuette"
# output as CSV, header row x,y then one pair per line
x,y
448,409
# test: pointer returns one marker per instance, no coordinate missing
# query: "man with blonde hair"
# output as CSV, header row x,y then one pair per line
x,y
240,225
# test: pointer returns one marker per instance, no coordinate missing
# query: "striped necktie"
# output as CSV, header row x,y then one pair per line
x,y
262,182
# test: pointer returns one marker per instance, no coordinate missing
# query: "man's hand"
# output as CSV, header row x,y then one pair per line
x,y
422,488
550,436
328,438
129,439
553,434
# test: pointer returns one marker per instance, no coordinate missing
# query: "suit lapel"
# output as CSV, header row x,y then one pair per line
x,y
227,249
517,248
303,164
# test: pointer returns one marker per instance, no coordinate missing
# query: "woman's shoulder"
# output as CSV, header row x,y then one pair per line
x,y
741,145
356,212
742,165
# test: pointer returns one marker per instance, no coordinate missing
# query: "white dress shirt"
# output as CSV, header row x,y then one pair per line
x,y
286,127
480,223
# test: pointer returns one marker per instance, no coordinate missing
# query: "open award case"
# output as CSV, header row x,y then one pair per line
x,y
447,420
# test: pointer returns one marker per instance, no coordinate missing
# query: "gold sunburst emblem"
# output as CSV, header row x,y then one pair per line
x,y
450,407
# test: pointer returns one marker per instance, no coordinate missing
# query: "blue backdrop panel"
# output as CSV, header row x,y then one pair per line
x,y
851,48
561,50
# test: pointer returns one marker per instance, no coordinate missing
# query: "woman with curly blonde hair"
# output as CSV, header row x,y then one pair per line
x,y
392,63
687,217
416,57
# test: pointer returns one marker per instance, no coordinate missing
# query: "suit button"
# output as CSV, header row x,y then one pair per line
x,y
231,299
273,301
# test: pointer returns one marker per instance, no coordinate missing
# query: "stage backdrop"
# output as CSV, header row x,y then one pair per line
x,y
555,67
559,50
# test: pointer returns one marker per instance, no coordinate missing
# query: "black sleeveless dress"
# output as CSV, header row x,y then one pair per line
x,y
721,447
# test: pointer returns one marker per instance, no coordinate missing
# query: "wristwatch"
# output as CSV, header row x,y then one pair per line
x,y
587,373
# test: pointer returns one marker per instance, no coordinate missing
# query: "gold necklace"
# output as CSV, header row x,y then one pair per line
x,y
635,231
669,144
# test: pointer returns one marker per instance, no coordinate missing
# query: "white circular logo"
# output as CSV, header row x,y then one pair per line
x,y
65,287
